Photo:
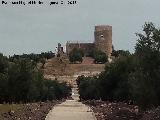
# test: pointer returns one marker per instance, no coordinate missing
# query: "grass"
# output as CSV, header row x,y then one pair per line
x,y
61,66
57,66
8,107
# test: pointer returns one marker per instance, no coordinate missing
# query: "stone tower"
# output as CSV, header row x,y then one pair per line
x,y
103,38
60,50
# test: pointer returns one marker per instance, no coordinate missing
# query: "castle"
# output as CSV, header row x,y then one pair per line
x,y
103,42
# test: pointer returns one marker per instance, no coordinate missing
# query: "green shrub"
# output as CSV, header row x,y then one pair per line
x,y
21,81
112,84
88,87
76,55
117,53
99,57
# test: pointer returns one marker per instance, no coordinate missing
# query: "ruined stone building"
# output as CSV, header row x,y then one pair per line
x,y
102,41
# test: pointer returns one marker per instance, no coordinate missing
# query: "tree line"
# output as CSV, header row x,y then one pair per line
x,y
35,57
22,81
130,77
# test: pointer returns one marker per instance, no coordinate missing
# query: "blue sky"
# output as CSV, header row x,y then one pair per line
x,y
37,28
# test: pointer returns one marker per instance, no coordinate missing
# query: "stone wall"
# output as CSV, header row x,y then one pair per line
x,y
86,47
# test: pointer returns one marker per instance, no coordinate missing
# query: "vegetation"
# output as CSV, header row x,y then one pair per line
x,y
76,55
35,57
132,77
112,84
98,56
87,87
145,80
117,53
22,81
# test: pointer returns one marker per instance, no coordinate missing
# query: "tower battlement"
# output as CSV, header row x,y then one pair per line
x,y
103,27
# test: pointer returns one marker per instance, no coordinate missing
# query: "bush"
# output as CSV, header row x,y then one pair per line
x,y
112,84
76,55
114,80
99,57
88,87
117,53
55,90
21,81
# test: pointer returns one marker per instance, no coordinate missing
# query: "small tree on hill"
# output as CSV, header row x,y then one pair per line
x,y
99,57
76,55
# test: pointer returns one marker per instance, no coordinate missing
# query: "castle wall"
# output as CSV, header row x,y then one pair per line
x,y
103,38
86,47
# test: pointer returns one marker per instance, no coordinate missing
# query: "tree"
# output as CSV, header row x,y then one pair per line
x,y
88,87
76,55
3,64
3,77
35,57
117,53
22,81
99,57
114,80
145,80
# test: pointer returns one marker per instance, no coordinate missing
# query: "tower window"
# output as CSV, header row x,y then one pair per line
x,y
102,36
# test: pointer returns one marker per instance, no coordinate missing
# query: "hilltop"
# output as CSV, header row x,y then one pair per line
x,y
60,67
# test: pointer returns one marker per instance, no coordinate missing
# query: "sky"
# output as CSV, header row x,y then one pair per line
x,y
39,28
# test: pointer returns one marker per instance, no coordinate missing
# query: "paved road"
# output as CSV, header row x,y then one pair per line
x,y
71,109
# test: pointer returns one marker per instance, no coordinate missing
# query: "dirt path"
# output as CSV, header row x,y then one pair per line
x,y
71,109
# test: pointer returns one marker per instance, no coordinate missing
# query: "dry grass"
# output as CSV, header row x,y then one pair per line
x,y
61,67
8,107
57,66
4,108
28,111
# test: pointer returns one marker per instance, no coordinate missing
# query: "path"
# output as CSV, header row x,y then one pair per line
x,y
71,109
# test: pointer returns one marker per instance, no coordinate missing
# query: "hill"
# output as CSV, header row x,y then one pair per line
x,y
60,68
